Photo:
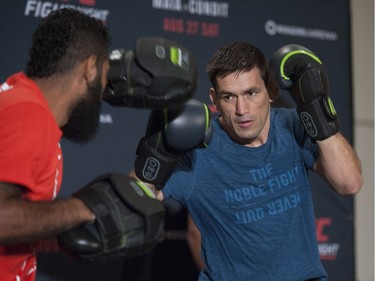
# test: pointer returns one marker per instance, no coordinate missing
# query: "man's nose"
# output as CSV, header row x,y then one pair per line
x,y
241,106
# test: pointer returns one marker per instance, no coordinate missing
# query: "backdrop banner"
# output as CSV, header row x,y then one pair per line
x,y
202,26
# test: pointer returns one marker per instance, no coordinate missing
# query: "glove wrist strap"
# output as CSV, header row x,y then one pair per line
x,y
319,118
153,167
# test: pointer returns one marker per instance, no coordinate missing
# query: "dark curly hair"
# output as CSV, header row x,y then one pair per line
x,y
237,57
62,40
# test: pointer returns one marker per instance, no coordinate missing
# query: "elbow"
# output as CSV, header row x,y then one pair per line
x,y
351,187
357,185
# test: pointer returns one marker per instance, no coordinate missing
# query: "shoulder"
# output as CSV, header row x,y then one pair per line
x,y
19,88
19,94
23,108
288,115
286,118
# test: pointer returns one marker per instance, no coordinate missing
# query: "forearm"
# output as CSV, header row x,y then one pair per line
x,y
339,165
24,221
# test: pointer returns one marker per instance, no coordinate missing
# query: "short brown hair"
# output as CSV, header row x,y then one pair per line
x,y
240,57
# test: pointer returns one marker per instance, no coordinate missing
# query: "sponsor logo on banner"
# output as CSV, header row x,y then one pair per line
x,y
35,8
328,250
211,9
272,28
106,118
194,7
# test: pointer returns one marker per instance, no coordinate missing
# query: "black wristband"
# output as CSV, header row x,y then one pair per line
x,y
153,166
319,118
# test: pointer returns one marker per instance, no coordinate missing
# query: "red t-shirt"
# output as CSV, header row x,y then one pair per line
x,y
30,156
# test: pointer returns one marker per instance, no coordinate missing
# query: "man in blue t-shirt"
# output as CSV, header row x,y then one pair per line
x,y
248,192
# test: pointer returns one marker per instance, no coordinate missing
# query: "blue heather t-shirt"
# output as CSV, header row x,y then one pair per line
x,y
253,205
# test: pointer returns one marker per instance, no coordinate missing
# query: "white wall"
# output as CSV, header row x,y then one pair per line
x,y
362,19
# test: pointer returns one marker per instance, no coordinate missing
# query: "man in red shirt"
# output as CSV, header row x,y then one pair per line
x,y
58,94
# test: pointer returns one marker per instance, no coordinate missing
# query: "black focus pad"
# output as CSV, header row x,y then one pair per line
x,y
119,91
158,73
128,222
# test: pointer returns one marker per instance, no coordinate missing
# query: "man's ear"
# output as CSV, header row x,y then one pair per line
x,y
214,98
90,69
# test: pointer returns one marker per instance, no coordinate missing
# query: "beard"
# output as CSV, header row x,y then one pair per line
x,y
83,122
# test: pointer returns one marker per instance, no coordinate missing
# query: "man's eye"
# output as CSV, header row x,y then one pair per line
x,y
228,98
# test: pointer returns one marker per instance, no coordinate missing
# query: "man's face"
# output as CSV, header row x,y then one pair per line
x,y
84,119
243,100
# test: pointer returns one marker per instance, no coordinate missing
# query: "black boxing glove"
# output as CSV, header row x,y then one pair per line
x,y
170,133
299,71
129,221
158,73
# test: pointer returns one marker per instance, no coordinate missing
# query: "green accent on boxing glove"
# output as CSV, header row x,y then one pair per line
x,y
207,139
292,53
146,190
332,110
